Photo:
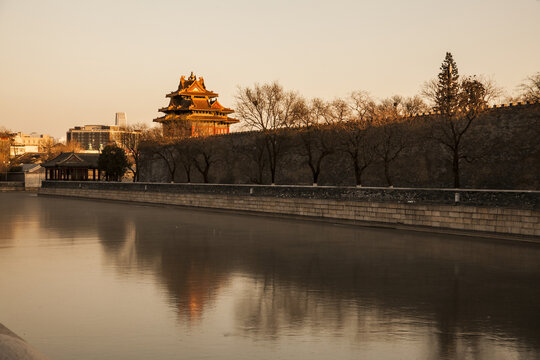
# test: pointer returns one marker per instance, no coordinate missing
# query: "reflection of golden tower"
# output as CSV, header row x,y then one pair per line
x,y
199,288
194,111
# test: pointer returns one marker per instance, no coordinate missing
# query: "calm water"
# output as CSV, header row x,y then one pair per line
x,y
97,280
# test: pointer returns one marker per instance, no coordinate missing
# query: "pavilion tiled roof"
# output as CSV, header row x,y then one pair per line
x,y
73,160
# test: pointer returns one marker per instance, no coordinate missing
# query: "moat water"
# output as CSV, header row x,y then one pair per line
x,y
100,280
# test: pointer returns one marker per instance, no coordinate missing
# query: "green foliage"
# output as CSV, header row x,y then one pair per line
x,y
459,103
447,91
114,162
472,97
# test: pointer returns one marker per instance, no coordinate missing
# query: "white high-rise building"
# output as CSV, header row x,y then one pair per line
x,y
120,119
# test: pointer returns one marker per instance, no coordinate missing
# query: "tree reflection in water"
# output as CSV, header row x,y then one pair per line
x,y
321,278
455,295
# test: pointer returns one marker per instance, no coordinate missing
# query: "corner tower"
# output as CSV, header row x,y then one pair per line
x,y
194,111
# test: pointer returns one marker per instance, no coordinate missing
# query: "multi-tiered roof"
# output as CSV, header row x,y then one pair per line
x,y
193,111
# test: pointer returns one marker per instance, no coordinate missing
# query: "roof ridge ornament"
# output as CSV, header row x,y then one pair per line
x,y
182,82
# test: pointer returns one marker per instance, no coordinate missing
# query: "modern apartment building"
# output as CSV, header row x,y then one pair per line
x,y
29,143
93,138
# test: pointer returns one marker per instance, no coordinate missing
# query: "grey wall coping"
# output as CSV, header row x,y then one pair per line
x,y
520,199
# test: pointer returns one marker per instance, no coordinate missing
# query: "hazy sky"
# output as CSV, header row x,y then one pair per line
x,y
67,63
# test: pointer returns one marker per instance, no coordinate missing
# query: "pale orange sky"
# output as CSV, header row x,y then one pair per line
x,y
67,63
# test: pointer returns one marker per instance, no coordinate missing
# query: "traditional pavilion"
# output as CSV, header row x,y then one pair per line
x,y
194,111
73,166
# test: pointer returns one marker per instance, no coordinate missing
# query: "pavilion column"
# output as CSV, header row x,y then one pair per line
x,y
94,174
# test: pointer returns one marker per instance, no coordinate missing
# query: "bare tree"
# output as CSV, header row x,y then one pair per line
x,y
6,138
269,108
493,93
392,125
52,149
258,154
316,135
450,129
355,133
339,110
457,104
72,146
529,89
205,156
168,153
131,141
186,155
164,148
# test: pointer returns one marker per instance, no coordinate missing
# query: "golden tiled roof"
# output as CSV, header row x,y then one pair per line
x,y
200,104
193,102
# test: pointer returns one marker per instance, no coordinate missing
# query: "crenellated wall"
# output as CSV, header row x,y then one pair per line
x,y
489,108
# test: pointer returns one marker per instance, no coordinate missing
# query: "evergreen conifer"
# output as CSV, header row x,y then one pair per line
x,y
114,162
447,92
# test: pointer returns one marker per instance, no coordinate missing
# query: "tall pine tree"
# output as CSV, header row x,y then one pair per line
x,y
458,102
447,92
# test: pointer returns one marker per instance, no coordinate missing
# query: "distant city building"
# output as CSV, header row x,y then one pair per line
x,y
93,138
29,143
120,119
194,111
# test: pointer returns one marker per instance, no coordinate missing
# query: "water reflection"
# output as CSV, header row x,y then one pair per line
x,y
452,296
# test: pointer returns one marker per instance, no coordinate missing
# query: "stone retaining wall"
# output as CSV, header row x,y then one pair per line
x,y
503,220
518,199
11,186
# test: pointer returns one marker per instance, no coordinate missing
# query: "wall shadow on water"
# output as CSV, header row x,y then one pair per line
x,y
317,277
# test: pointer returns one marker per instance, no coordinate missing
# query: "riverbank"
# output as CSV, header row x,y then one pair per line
x,y
11,186
482,211
13,347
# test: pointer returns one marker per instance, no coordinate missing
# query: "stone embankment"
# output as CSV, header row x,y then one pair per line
x,y
11,186
12,347
502,212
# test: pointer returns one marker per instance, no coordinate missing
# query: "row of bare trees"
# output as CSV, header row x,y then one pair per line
x,y
369,130
187,154
359,128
